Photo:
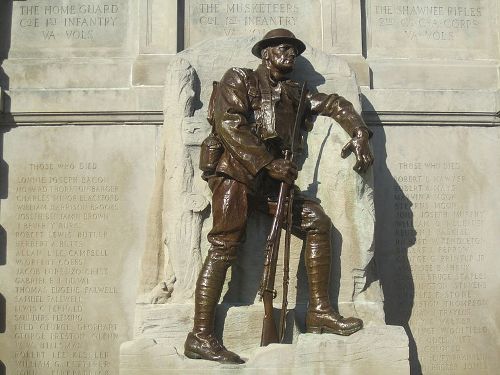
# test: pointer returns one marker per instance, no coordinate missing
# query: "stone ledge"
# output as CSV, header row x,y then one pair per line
x,y
373,350
133,99
432,118
82,118
373,118
238,326
434,74
437,101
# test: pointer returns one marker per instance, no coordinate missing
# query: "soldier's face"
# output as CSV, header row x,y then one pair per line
x,y
282,57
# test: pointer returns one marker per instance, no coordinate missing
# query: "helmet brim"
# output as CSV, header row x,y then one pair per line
x,y
276,41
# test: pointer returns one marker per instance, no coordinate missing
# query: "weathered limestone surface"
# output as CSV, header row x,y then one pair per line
x,y
74,227
376,350
239,326
438,244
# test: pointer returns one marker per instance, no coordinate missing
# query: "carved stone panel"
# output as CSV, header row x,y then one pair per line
x,y
74,220
212,19
437,244
454,29
71,28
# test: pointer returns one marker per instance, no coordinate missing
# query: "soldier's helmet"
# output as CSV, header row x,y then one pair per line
x,y
276,37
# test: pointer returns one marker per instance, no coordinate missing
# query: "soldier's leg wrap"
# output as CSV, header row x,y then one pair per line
x,y
321,317
229,210
209,287
316,225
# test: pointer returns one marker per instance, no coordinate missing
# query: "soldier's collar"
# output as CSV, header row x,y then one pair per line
x,y
265,74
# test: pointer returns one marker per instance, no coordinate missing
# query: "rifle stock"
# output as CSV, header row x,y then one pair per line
x,y
269,330
267,292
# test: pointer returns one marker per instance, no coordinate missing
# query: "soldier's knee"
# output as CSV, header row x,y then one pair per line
x,y
316,219
323,222
226,254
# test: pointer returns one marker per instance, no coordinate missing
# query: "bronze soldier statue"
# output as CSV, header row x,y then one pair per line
x,y
253,113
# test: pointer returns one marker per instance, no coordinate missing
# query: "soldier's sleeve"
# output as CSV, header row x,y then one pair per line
x,y
340,109
232,112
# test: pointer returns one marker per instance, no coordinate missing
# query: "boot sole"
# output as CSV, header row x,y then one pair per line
x,y
192,355
323,329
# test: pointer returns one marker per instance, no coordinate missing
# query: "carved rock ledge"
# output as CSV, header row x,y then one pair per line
x,y
373,350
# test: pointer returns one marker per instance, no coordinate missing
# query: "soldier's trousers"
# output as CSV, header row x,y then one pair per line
x,y
230,210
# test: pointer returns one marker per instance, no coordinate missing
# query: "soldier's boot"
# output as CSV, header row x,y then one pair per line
x,y
202,343
321,317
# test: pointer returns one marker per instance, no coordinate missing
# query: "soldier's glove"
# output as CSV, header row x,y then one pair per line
x,y
360,146
282,170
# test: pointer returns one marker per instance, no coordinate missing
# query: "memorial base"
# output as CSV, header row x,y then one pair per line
x,y
373,350
159,345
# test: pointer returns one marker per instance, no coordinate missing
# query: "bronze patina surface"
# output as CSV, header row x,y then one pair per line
x,y
253,113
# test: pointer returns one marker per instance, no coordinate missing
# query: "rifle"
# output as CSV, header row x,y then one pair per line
x,y
266,291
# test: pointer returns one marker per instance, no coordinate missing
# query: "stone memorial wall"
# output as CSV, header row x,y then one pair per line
x,y
81,99
72,245
437,246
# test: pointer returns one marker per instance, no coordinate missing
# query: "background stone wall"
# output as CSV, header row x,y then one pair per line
x,y
81,109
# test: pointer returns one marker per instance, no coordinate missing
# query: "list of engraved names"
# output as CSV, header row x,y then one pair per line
x,y
64,268
444,239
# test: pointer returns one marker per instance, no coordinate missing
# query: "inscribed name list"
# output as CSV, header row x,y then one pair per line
x,y
437,239
68,220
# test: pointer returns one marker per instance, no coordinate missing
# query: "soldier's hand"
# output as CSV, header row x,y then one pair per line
x,y
282,170
360,146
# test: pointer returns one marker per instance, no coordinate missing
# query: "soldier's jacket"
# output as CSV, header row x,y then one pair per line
x,y
254,118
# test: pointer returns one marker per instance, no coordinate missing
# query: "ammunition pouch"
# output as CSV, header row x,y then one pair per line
x,y
211,148
210,154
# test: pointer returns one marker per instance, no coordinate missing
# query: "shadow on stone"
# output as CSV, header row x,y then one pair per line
x,y
3,246
335,270
220,320
302,293
6,120
5,37
181,8
304,68
4,168
3,314
246,272
312,189
364,33
391,253
4,190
